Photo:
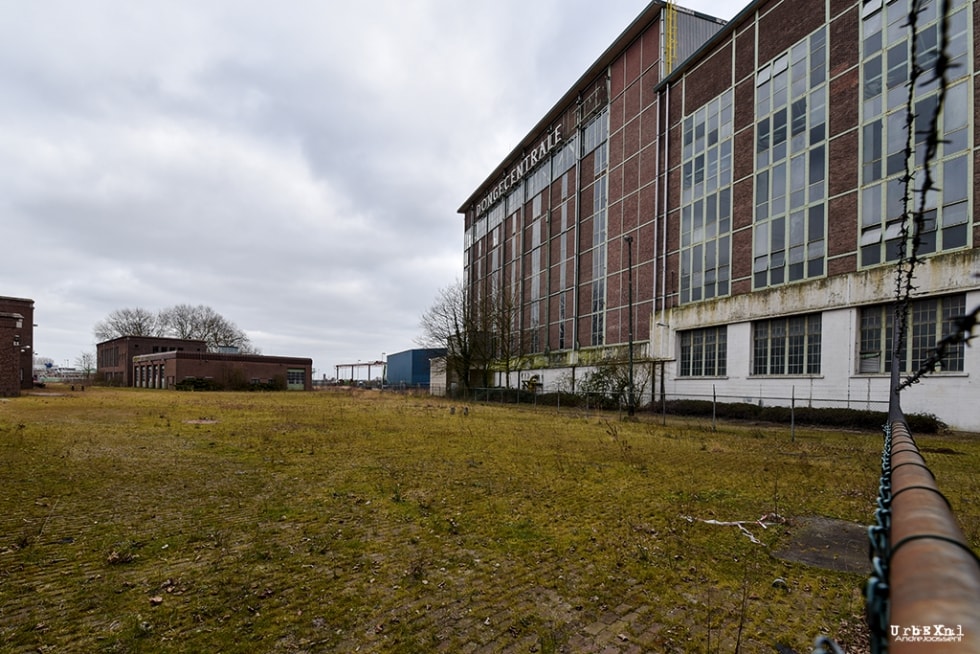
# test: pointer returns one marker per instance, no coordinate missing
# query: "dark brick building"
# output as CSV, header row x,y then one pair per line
x,y
223,371
114,358
16,345
159,362
747,178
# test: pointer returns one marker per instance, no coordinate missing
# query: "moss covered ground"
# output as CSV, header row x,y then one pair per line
x,y
152,521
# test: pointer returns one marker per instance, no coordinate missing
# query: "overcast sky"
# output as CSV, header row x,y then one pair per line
x,y
294,165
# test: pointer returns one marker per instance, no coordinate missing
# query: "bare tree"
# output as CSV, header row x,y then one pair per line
x,y
204,324
454,323
181,321
85,363
503,309
127,322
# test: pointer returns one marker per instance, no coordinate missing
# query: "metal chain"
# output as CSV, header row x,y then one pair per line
x,y
876,590
825,645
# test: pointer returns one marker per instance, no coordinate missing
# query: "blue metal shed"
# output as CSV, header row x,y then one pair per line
x,y
411,367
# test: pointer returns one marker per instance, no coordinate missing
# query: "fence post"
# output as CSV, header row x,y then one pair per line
x,y
792,416
714,408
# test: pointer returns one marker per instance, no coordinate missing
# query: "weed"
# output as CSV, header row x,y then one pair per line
x,y
367,510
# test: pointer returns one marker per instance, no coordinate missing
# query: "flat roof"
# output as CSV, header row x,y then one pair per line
x,y
168,339
650,14
223,356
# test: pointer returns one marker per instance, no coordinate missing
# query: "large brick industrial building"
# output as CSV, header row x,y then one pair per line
x,y
748,178
114,358
160,362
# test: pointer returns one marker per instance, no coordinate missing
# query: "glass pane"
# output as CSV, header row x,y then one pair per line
x,y
796,254
814,268
954,214
779,127
956,141
797,174
872,78
796,228
778,233
761,239
895,206
816,165
954,181
871,236
956,107
816,223
779,180
871,205
871,255
762,187
897,73
954,237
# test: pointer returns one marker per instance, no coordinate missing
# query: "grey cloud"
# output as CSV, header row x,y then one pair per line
x,y
297,167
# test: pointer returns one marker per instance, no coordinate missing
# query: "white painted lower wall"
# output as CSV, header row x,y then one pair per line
x,y
952,397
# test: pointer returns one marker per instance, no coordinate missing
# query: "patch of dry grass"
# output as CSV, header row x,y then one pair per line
x,y
145,521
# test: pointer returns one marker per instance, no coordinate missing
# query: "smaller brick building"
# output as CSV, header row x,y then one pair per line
x,y
114,358
16,345
221,371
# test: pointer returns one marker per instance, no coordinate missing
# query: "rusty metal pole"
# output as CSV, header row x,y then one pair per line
x,y
934,575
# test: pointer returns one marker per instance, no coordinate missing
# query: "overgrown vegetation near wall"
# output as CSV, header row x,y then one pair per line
x,y
821,417
851,419
232,382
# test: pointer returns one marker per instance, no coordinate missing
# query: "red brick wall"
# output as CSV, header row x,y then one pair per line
x,y
24,366
784,23
9,357
114,359
226,368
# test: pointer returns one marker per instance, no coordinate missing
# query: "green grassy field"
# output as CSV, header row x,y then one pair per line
x,y
152,521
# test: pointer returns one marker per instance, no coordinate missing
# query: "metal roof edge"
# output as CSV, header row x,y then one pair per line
x,y
632,31
647,17
719,36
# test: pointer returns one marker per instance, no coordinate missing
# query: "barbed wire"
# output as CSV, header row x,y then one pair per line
x,y
963,333
905,268
877,595
913,223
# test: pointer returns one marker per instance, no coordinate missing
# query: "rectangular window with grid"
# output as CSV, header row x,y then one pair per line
x,y
703,352
787,346
790,221
706,200
887,48
930,320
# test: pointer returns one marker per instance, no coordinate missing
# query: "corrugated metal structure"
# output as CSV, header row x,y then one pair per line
x,y
693,31
411,367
